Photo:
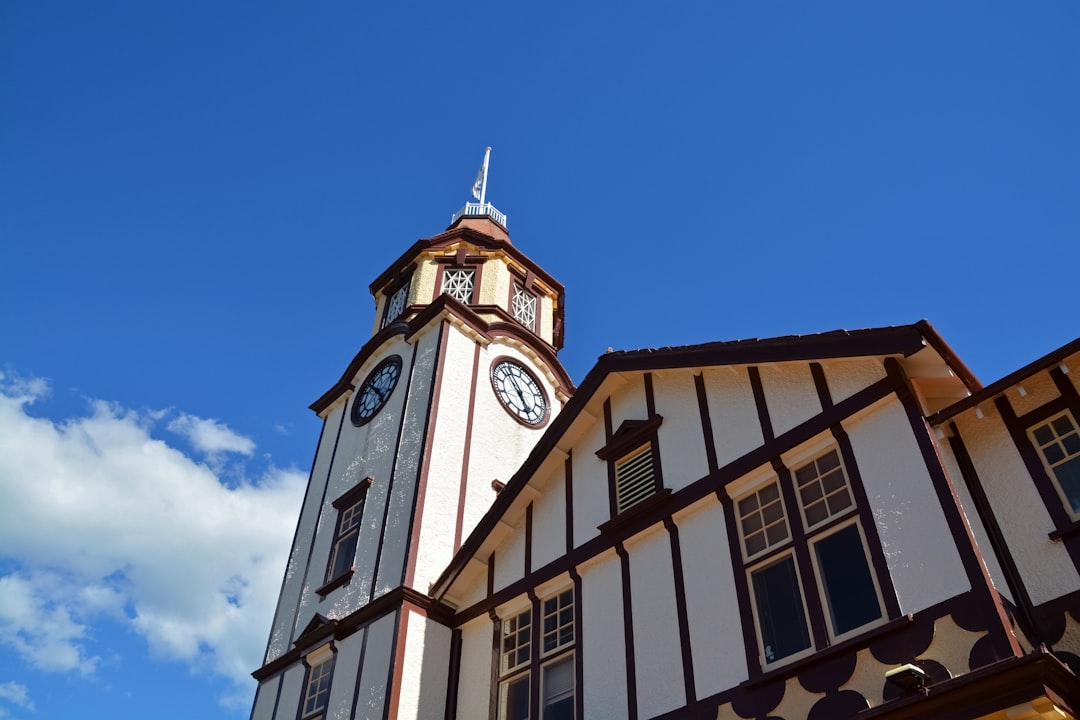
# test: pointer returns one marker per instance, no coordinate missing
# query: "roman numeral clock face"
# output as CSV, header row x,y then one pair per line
x,y
519,392
376,389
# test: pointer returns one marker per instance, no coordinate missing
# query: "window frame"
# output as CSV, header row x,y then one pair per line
x,y
533,671
1048,467
459,261
323,657
390,293
352,497
518,287
801,545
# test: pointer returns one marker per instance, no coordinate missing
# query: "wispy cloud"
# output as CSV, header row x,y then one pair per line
x,y
145,534
210,436
17,695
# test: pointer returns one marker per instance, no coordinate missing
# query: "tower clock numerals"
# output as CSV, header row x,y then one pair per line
x,y
519,392
376,390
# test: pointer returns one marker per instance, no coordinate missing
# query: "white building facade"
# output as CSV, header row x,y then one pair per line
x,y
844,525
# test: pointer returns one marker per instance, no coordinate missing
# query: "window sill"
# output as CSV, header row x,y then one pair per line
x,y
628,516
1065,532
342,579
818,656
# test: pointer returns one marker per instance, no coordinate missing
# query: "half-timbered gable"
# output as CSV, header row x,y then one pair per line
x,y
842,526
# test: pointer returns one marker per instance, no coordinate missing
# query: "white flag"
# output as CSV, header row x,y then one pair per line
x,y
481,178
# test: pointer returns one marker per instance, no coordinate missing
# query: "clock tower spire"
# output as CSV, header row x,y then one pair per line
x,y
455,385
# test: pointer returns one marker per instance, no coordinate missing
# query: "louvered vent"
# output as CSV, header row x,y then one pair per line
x,y
635,477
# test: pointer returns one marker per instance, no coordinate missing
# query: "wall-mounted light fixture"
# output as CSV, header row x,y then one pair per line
x,y
910,677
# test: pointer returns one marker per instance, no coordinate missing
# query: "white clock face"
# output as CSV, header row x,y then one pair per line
x,y
376,389
519,392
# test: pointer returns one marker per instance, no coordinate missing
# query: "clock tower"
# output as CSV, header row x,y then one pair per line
x,y
448,397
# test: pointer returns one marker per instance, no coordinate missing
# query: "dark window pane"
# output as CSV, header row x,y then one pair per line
x,y
517,699
1054,453
776,533
828,461
839,501
810,493
770,493
833,481
344,556
561,710
780,610
1043,434
845,574
748,505
1072,444
1063,425
1068,476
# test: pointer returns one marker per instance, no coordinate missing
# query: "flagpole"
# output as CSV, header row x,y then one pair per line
x,y
483,185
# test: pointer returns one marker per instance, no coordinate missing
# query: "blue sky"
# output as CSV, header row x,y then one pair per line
x,y
195,196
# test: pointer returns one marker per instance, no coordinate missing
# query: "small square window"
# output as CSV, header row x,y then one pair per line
x,y
516,641
823,489
558,621
523,307
458,283
317,694
762,521
1059,444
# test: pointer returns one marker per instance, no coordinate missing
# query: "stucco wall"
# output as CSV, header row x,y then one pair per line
x,y
1045,566
712,605
475,677
510,557
682,441
378,656
343,682
449,428
915,537
603,648
590,485
427,655
847,377
789,394
736,430
549,520
657,654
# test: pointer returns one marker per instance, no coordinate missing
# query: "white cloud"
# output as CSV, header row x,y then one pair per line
x,y
142,532
210,436
16,694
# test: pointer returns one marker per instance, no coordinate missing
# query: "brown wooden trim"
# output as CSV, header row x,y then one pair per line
x,y
367,614
934,340
628,634
680,611
390,709
742,586
353,495
459,522
447,305
1013,579
491,575
630,516
454,675
982,586
1066,532
460,261
629,436
534,659
650,396
579,655
496,658
528,538
568,486
612,507
335,583
999,386
987,690
761,404
685,497
821,385
867,521
706,422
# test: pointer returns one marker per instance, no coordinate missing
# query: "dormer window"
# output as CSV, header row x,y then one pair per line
x,y
458,284
395,305
523,307
634,470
